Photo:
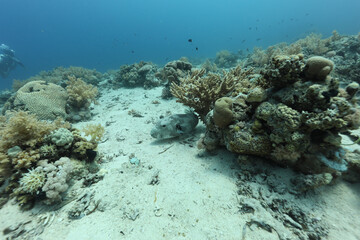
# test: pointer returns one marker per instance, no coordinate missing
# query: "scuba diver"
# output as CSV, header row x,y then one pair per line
x,y
8,61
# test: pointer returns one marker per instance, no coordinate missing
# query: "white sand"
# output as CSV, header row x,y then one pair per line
x,y
196,197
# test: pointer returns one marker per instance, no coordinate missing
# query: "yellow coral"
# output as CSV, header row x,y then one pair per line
x,y
96,131
81,95
32,181
24,130
81,144
26,159
5,167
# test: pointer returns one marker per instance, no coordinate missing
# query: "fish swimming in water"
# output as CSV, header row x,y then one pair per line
x,y
175,125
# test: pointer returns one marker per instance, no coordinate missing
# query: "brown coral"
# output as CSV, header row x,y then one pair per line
x,y
223,115
81,94
46,100
318,68
24,130
200,91
96,131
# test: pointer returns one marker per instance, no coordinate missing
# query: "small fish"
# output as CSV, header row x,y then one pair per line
x,y
250,28
244,40
189,40
196,48
258,39
132,51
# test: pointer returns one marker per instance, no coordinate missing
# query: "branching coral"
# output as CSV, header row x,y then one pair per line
x,y
81,94
295,121
200,91
225,59
96,131
32,181
311,45
24,130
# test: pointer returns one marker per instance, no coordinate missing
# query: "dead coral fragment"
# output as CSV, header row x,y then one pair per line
x,y
200,91
81,95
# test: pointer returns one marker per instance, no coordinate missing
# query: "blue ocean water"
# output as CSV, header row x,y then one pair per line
x,y
106,34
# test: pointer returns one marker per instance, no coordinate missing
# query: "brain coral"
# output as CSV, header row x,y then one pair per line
x,y
46,100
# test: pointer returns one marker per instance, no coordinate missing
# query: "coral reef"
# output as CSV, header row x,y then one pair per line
x,y
310,45
223,114
209,66
140,74
81,95
318,68
172,72
24,130
95,131
60,75
200,90
346,56
61,137
34,157
226,59
294,119
57,175
46,100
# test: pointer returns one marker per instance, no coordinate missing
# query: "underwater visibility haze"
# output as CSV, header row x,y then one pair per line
x,y
87,33
154,119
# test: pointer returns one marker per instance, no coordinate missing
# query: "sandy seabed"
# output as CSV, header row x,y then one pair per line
x,y
177,191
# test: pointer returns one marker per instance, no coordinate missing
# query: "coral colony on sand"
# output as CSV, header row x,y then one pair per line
x,y
288,104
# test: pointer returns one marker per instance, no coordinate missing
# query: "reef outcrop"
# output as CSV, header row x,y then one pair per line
x,y
292,114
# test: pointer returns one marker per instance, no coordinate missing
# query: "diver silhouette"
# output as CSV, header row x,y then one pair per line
x,y
8,61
